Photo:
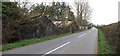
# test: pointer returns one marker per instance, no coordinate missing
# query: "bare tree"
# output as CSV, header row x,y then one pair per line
x,y
83,12
86,13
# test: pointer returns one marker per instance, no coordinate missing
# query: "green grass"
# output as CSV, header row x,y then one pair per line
x,y
0,48
31,41
103,47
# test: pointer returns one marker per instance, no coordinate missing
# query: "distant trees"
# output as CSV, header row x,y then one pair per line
x,y
83,12
38,9
57,11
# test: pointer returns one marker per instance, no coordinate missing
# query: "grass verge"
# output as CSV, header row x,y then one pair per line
x,y
0,48
31,41
103,47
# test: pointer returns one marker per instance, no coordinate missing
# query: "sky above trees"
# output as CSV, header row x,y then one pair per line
x,y
104,11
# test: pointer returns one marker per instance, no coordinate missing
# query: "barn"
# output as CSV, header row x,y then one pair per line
x,y
45,27
67,26
38,27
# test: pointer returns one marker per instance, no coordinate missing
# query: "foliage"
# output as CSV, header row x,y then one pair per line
x,y
9,9
57,11
103,46
111,33
10,15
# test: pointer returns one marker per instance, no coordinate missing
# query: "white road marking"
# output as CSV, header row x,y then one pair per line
x,y
56,49
81,35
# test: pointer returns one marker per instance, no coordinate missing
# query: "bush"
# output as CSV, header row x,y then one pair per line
x,y
111,33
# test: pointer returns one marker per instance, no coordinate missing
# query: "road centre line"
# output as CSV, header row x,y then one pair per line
x,y
61,46
56,49
82,35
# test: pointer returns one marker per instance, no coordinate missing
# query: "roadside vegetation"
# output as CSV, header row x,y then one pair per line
x,y
32,41
103,47
0,48
109,40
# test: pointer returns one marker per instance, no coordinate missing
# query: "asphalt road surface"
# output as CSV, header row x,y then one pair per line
x,y
80,43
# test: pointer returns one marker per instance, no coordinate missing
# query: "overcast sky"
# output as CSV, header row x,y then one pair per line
x,y
104,11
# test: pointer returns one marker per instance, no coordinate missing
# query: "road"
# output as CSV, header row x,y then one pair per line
x,y
80,43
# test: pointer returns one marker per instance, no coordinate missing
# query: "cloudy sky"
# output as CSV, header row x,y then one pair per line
x,y
104,11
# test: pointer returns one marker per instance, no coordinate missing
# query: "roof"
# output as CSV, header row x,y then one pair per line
x,y
60,23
